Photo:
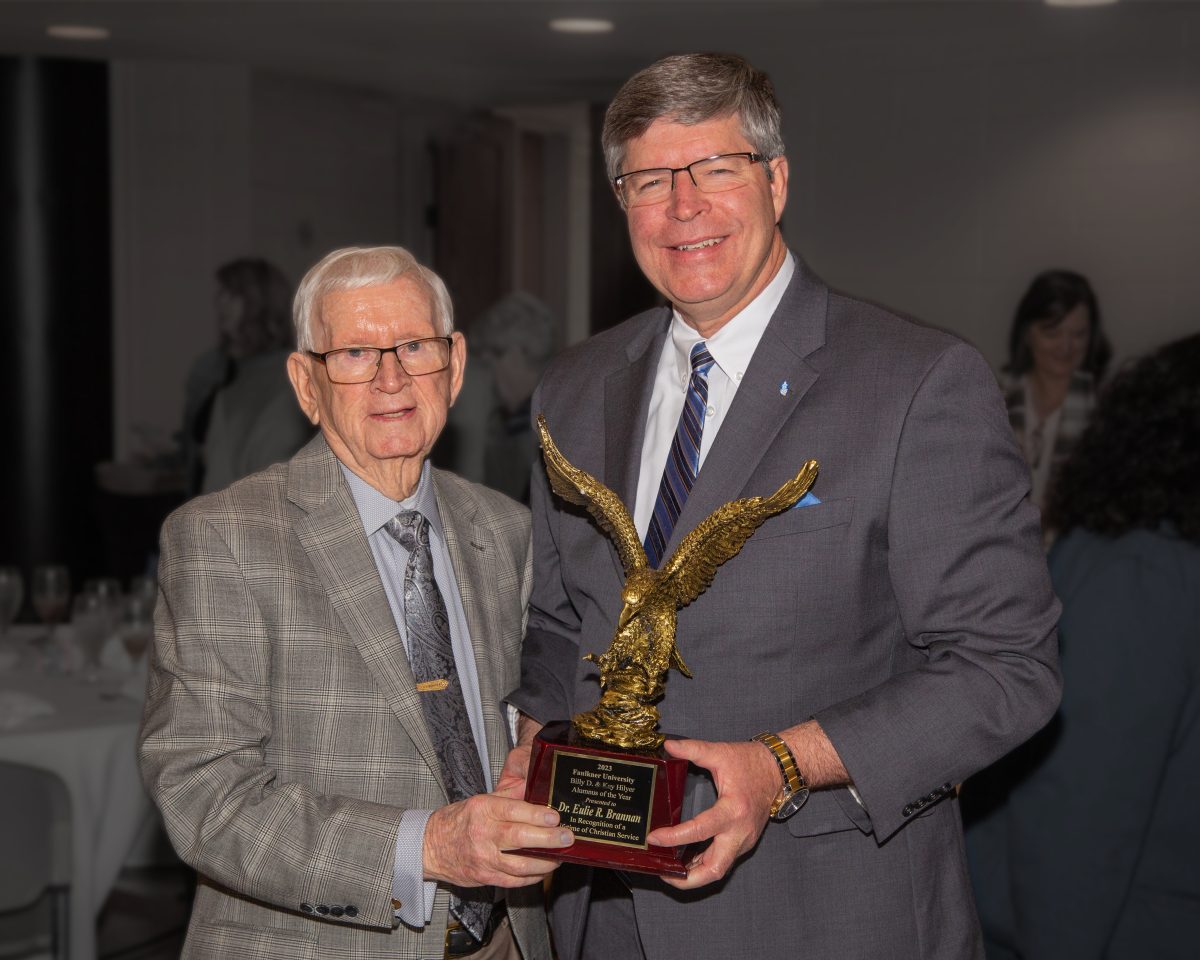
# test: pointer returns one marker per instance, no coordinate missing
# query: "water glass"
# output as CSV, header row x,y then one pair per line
x,y
144,588
108,589
91,623
51,593
138,629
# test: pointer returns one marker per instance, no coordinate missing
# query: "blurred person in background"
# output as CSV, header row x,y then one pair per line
x,y
239,411
516,338
1057,354
255,421
1092,854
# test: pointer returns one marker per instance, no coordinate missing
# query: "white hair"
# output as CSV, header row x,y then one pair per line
x,y
352,268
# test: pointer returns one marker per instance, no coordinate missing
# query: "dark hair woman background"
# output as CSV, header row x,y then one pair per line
x,y
1093,853
1057,353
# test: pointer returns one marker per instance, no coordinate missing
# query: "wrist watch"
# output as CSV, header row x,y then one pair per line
x,y
794,792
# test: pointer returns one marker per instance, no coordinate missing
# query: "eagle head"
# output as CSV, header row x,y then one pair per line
x,y
637,590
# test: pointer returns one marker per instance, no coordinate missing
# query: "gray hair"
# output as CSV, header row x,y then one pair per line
x,y
352,268
264,293
692,88
517,320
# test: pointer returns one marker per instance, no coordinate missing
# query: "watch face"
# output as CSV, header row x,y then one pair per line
x,y
791,804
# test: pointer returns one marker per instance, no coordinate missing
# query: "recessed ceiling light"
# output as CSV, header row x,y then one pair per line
x,y
581,25
77,31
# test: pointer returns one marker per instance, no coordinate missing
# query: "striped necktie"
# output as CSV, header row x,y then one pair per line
x,y
683,462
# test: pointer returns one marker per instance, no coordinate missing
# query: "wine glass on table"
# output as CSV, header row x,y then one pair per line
x,y
109,601
138,629
51,595
12,592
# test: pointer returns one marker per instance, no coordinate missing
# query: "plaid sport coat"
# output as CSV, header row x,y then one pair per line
x,y
282,737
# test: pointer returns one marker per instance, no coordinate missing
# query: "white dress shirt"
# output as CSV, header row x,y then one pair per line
x,y
731,348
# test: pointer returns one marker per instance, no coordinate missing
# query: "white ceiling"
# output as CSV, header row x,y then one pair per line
x,y
486,52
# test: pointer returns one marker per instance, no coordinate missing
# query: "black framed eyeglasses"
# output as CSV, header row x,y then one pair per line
x,y
725,171
361,364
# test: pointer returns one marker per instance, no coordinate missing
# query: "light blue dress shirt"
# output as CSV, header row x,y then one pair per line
x,y
375,509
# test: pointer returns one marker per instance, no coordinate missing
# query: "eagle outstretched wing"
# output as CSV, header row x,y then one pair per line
x,y
722,534
580,487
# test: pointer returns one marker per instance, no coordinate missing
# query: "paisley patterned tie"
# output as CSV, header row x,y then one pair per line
x,y
432,660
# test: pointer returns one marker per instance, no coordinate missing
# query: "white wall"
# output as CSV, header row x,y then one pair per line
x,y
939,174
215,162
181,206
940,156
325,173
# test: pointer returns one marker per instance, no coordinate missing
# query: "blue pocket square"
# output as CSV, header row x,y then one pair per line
x,y
808,500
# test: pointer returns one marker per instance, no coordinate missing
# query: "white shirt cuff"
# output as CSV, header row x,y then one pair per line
x,y
409,886
514,719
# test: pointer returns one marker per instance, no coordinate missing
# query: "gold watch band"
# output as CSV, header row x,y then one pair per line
x,y
792,780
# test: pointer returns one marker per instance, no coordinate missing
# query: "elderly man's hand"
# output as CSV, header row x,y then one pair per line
x,y
747,780
465,841
516,770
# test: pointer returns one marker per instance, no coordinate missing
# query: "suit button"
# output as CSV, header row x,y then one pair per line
x,y
947,787
306,907
908,810
322,909
352,911
335,911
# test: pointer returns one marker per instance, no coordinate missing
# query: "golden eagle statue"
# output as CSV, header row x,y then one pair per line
x,y
634,668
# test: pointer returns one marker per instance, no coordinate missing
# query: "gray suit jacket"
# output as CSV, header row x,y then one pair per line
x,y
283,738
910,612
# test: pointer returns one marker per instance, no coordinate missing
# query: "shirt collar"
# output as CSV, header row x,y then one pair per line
x,y
375,509
734,344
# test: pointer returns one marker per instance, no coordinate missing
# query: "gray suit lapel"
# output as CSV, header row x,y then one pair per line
x,y
761,407
332,533
472,550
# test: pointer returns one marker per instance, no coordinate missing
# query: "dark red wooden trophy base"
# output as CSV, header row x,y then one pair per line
x,y
611,798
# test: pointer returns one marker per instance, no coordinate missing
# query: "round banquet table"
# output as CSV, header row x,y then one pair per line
x,y
89,743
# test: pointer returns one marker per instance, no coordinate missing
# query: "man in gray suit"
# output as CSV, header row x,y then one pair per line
x,y
323,721
887,637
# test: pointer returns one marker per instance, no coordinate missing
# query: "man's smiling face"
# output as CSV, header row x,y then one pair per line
x,y
395,417
710,254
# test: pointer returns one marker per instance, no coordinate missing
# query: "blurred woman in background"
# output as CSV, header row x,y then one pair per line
x,y
1093,852
1057,353
252,419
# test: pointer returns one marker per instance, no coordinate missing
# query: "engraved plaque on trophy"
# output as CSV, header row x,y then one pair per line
x,y
611,798
605,771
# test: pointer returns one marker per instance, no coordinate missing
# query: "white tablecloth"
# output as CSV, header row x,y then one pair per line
x,y
89,743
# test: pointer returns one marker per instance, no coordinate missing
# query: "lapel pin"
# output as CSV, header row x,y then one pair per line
x,y
783,389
